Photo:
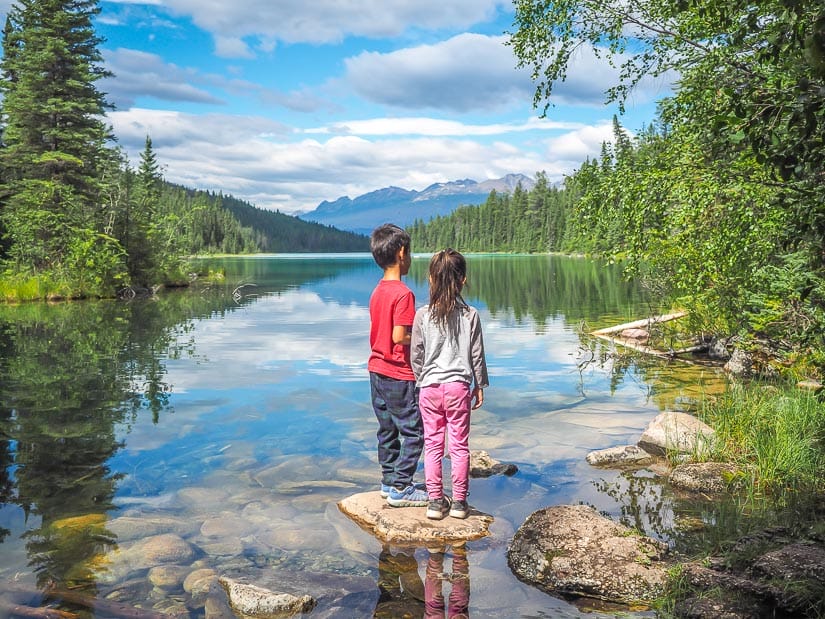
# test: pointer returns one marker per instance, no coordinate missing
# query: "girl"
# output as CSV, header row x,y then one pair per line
x,y
447,357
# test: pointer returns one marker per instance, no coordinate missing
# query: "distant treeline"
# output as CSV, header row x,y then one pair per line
x,y
218,223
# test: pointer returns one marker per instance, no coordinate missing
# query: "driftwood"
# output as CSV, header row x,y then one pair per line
x,y
639,324
43,612
608,334
104,607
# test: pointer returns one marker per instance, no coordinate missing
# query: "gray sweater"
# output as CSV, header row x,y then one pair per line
x,y
437,357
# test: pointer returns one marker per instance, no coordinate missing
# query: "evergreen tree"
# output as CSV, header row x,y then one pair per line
x,y
55,142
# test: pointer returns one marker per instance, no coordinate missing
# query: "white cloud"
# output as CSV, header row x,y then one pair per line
x,y
329,21
580,144
232,47
435,127
477,72
466,72
263,161
141,74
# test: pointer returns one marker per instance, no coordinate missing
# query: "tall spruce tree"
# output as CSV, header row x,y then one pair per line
x,y
55,141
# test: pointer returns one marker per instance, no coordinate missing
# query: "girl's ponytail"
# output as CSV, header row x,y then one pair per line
x,y
448,272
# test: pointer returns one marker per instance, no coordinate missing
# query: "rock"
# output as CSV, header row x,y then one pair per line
x,y
128,528
198,584
167,576
708,608
259,602
621,456
482,465
710,477
797,562
740,364
161,549
718,349
410,524
676,432
574,550
783,581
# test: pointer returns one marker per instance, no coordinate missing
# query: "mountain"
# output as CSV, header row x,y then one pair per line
x,y
404,206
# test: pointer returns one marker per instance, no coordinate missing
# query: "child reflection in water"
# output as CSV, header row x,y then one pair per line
x,y
458,602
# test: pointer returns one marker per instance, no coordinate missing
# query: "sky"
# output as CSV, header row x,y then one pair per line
x,y
287,103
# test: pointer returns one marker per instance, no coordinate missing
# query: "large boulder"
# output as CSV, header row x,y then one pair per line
x,y
676,432
410,524
574,550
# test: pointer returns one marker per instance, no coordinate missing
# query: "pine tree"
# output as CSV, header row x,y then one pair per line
x,y
55,142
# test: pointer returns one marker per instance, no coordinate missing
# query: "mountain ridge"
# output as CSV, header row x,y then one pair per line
x,y
403,206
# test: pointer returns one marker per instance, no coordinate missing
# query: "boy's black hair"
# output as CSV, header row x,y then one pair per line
x,y
385,241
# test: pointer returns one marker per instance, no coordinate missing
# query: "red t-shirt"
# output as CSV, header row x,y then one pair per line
x,y
391,304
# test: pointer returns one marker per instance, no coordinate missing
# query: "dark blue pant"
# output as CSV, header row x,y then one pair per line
x,y
400,431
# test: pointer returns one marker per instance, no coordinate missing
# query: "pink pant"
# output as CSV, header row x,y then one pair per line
x,y
446,407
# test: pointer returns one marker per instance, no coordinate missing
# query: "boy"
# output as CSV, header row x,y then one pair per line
x,y
392,383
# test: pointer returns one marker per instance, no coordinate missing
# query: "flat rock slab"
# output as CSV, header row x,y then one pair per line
x,y
410,524
622,456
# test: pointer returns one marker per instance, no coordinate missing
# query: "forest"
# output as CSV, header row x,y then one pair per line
x,y
75,220
719,204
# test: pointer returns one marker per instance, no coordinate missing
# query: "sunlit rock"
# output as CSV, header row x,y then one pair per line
x,y
259,602
676,432
574,550
620,456
410,524
708,477
482,465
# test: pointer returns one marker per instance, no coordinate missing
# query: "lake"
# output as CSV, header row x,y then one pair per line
x,y
235,415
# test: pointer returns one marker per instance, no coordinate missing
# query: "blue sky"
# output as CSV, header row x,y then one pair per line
x,y
286,103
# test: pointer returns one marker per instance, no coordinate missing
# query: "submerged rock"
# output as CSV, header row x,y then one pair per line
x,y
259,602
574,550
410,524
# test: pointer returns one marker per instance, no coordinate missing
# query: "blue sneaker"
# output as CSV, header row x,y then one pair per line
x,y
408,497
385,489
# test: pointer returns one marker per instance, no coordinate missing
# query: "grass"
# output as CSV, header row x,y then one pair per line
x,y
776,435
17,289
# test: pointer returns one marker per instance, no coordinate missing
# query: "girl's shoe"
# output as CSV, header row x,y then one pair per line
x,y
459,509
438,508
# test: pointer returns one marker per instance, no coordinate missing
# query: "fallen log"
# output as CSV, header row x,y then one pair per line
x,y
639,324
104,607
43,612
